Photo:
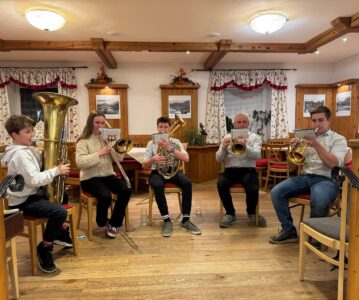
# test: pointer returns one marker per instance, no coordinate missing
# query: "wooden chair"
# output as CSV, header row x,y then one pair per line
x,y
169,188
31,224
141,174
277,163
13,226
90,201
235,188
331,232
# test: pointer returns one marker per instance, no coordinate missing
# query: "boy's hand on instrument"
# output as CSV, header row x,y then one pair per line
x,y
158,158
166,145
64,169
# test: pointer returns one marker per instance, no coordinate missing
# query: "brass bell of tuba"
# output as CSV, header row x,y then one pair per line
x,y
172,165
55,107
297,151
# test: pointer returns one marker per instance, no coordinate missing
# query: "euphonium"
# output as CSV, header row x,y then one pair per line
x,y
296,152
120,146
55,107
171,166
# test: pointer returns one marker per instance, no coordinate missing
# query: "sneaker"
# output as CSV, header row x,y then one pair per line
x,y
64,239
227,220
262,222
111,231
189,226
46,262
284,237
167,229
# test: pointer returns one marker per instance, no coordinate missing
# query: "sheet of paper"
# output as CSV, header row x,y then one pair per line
x,y
239,132
137,153
302,133
110,134
157,137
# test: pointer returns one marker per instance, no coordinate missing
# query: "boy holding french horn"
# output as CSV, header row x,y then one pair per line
x,y
157,157
324,152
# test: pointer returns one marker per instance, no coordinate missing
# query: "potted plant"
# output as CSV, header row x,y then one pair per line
x,y
181,79
193,137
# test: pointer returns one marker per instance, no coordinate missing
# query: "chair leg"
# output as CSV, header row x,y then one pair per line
x,y
73,229
89,218
136,182
267,179
12,264
257,214
302,238
127,221
79,214
220,209
33,246
302,213
150,202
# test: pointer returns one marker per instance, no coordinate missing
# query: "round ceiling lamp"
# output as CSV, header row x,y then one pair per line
x,y
267,23
44,19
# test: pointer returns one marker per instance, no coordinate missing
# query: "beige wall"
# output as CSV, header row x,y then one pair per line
x,y
144,95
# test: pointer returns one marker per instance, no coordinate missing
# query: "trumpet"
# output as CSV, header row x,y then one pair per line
x,y
297,152
237,148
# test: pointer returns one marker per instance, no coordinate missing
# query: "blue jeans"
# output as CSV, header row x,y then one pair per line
x,y
323,191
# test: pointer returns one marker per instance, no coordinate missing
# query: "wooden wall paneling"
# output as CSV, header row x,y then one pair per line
x,y
178,90
140,140
345,125
111,89
305,122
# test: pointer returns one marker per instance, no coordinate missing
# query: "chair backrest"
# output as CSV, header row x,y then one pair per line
x,y
279,141
277,153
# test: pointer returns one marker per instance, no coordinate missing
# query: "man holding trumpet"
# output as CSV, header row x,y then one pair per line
x,y
324,151
239,166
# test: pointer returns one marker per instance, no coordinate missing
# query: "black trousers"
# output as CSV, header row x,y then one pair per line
x,y
39,207
248,177
101,188
157,182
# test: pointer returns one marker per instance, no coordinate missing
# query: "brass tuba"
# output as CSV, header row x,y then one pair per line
x,y
55,107
297,151
171,166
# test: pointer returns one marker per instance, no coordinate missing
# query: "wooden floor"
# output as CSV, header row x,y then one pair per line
x,y
233,263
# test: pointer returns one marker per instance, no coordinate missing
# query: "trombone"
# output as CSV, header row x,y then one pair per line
x,y
120,146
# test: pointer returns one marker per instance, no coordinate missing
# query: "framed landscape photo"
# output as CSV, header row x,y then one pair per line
x,y
311,102
180,105
109,105
343,104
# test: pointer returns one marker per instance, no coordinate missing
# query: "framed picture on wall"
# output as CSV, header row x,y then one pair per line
x,y
311,102
179,104
343,104
109,105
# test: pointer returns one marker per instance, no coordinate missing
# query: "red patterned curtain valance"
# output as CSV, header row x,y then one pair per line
x,y
38,78
248,80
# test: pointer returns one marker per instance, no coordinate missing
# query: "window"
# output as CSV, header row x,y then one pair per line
x,y
236,100
29,106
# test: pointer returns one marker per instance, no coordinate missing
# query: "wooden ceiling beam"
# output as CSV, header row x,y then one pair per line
x,y
23,45
215,57
106,56
340,27
267,47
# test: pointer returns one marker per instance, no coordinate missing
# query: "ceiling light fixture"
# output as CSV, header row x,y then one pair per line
x,y
344,39
44,19
317,52
267,23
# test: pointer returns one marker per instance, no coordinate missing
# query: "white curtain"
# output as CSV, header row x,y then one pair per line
x,y
39,78
248,81
5,139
